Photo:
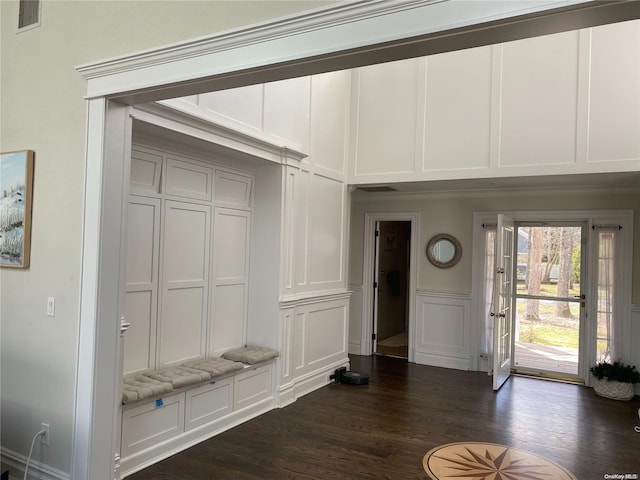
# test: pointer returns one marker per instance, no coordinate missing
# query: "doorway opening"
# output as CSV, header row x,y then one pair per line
x,y
549,300
391,288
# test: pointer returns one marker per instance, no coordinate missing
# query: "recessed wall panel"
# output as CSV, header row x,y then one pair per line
x,y
231,236
182,327
145,171
300,205
286,110
229,318
186,242
188,180
387,102
325,334
142,228
231,188
539,100
329,108
137,340
242,105
458,110
614,101
326,210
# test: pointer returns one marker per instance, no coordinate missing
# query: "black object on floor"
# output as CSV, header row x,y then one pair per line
x,y
341,375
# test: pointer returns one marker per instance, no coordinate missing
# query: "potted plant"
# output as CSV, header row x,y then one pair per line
x,y
615,380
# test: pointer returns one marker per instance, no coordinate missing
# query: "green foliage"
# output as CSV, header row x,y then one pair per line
x,y
575,264
617,371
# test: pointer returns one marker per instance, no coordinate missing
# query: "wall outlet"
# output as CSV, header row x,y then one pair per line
x,y
44,438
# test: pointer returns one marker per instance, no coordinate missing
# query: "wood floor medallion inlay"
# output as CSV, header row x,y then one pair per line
x,y
489,461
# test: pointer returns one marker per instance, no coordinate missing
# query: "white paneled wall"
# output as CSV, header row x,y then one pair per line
x,y
614,92
185,282
231,267
189,228
326,219
552,102
538,100
457,109
286,110
141,298
278,267
314,341
387,112
443,328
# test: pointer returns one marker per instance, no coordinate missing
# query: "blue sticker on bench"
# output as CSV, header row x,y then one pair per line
x,y
159,402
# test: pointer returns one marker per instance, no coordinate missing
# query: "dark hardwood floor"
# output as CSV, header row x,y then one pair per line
x,y
382,430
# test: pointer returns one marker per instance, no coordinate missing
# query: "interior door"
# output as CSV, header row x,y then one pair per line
x,y
503,301
376,283
393,241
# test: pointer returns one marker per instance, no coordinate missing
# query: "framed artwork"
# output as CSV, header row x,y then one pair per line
x,y
16,185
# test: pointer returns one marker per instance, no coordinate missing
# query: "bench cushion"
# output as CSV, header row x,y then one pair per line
x,y
251,355
139,387
181,376
215,366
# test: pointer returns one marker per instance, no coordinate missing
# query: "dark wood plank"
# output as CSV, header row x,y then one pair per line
x,y
382,430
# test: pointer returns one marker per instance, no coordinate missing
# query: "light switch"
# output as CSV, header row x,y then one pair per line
x,y
51,306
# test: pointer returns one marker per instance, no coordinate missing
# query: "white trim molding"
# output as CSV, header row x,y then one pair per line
x,y
36,469
195,126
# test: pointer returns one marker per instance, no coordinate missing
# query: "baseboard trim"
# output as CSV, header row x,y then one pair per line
x,y
38,470
287,394
445,361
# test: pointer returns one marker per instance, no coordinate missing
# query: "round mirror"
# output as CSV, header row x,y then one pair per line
x,y
444,250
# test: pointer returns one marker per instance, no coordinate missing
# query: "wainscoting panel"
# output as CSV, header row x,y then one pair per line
x,y
325,334
443,329
317,343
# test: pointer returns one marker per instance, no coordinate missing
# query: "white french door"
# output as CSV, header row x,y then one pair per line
x,y
502,312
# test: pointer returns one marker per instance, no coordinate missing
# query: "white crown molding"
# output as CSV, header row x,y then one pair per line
x,y
290,25
204,129
337,33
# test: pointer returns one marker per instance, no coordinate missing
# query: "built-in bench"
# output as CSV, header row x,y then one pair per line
x,y
168,410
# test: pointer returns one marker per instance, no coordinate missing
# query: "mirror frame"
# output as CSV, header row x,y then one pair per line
x,y
457,255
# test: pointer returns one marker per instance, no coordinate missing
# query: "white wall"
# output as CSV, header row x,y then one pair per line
x,y
43,109
551,103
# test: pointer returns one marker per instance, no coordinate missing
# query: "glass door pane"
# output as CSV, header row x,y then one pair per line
x,y
549,300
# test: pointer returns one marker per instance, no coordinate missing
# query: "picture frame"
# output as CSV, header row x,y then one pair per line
x,y
16,194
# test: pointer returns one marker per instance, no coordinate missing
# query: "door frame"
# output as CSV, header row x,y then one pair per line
x,y
584,285
370,219
622,217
